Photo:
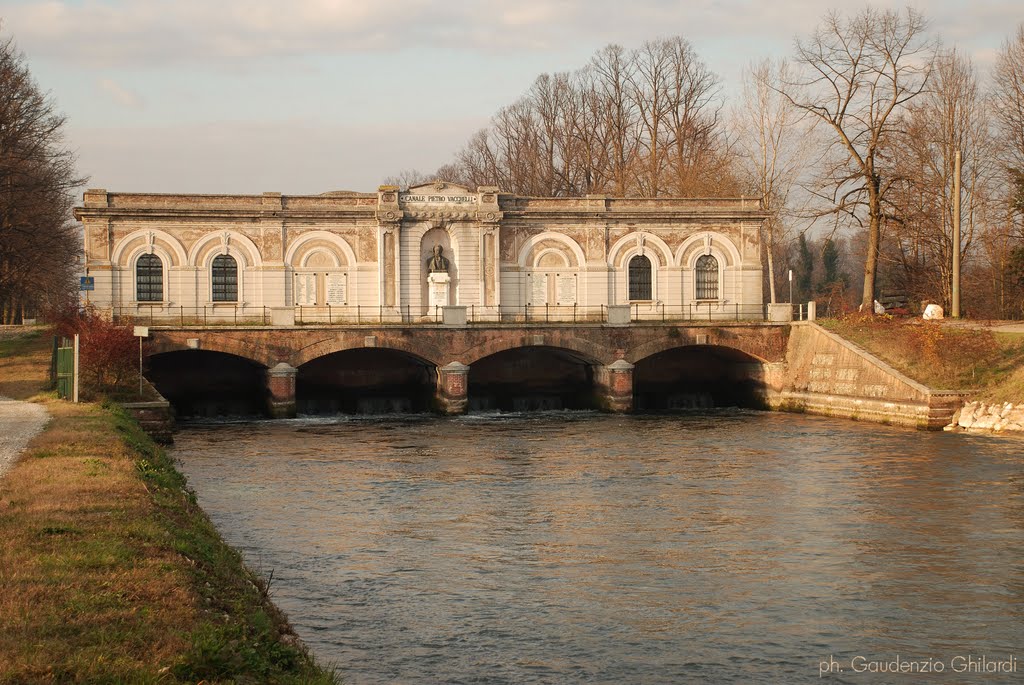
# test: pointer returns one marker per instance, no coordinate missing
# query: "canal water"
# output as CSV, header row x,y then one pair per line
x,y
574,547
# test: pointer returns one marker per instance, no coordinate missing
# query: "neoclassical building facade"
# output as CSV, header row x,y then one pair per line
x,y
337,255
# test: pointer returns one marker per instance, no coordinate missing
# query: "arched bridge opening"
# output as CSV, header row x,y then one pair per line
x,y
202,383
530,379
697,377
368,380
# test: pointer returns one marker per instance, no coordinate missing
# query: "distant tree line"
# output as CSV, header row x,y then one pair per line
x,y
645,123
854,139
39,243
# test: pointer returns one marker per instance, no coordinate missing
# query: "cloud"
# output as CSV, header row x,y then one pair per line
x,y
121,95
156,32
117,32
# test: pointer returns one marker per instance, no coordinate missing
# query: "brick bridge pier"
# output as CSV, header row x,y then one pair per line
x,y
610,351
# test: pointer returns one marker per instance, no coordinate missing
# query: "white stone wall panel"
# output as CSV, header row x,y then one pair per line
x,y
275,237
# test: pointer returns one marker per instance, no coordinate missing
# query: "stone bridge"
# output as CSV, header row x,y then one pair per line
x,y
611,351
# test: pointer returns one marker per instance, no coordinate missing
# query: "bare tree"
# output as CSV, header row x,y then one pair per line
x,y
650,87
773,148
697,146
408,178
1005,246
1008,95
644,122
856,76
611,73
39,245
949,118
589,138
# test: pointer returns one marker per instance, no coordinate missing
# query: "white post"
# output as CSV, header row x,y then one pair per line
x,y
140,333
74,393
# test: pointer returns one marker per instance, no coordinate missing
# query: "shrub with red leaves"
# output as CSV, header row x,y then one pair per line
x,y
108,353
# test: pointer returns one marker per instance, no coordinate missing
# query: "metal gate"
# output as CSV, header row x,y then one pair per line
x,y
65,369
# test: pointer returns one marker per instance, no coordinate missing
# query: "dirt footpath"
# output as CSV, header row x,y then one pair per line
x,y
19,423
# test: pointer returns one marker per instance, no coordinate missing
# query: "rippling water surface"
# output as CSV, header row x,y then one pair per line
x,y
578,548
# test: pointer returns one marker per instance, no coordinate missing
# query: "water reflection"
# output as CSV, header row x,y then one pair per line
x,y
574,547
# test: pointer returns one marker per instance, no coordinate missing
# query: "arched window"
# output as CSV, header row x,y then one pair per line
x,y
640,278
225,279
707,278
149,279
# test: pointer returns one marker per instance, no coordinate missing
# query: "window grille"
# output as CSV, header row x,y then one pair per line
x,y
707,278
149,279
225,279
640,278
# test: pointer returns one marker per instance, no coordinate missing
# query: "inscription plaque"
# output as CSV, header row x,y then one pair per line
x,y
539,293
335,284
566,289
437,293
305,289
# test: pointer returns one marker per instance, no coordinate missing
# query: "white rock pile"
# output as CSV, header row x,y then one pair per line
x,y
978,416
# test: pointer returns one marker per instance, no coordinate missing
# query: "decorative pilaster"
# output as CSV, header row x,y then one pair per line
x,y
453,388
273,243
489,215
281,387
389,221
613,385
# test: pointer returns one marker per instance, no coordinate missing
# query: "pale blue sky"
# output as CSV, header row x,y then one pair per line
x,y
307,96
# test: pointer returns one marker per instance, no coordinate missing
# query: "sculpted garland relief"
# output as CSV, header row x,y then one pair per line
x,y
595,247
508,245
673,238
366,250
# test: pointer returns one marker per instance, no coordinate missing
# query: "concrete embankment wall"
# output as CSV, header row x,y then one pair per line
x,y
827,375
155,417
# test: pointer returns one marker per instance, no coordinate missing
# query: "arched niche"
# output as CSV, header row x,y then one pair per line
x,y
552,263
444,237
322,268
622,253
127,249
707,244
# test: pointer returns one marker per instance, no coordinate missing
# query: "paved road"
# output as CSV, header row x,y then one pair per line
x,y
995,326
1009,328
19,423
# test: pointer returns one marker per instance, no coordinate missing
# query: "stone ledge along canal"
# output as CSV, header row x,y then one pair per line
x,y
573,547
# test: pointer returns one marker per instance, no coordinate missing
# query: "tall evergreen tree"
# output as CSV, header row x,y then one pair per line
x,y
804,271
829,265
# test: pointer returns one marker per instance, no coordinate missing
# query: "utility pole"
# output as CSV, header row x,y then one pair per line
x,y
956,237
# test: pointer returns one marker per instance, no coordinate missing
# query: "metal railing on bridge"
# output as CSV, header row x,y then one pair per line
x,y
178,315
636,312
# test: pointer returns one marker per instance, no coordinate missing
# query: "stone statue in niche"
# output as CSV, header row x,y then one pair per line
x,y
438,263
438,280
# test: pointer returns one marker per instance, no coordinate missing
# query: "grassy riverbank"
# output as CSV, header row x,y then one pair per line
x,y
943,355
110,572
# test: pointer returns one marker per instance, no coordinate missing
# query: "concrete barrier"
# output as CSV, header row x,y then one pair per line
x,y
453,316
830,376
780,313
282,316
619,315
